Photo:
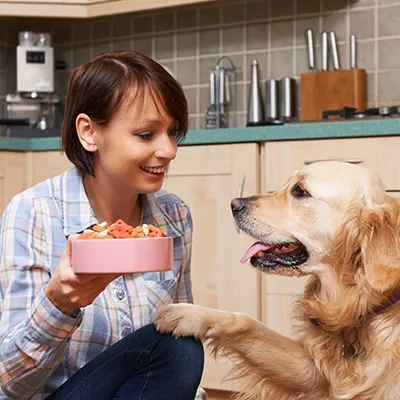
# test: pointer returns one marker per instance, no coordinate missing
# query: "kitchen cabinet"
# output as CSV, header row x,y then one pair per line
x,y
14,176
45,164
83,8
279,160
207,178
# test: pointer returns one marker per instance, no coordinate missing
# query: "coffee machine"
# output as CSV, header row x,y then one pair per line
x,y
33,109
35,64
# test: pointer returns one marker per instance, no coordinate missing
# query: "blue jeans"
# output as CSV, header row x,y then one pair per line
x,y
145,365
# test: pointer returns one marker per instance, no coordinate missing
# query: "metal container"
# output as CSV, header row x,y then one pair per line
x,y
255,111
272,101
287,95
27,38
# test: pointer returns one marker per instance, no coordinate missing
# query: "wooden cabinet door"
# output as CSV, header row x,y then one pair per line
x,y
46,164
13,176
207,178
379,154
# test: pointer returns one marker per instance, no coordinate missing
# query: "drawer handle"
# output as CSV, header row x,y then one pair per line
x,y
392,190
240,193
348,160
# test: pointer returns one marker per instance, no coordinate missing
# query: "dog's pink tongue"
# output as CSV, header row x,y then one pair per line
x,y
253,250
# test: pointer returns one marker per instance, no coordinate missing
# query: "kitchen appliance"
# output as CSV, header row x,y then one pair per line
x,y
37,117
33,110
370,113
35,64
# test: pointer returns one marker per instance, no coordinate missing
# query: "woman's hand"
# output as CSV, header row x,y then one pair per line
x,y
68,291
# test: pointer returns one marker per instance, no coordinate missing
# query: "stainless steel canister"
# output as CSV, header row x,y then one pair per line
x,y
287,95
272,101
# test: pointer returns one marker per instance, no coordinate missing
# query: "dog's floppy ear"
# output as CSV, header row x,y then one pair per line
x,y
369,238
379,245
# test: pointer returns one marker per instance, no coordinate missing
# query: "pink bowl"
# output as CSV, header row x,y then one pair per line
x,y
94,256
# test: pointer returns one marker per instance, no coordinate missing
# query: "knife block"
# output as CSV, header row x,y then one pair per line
x,y
332,90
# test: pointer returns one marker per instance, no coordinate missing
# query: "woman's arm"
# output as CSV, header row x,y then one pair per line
x,y
33,332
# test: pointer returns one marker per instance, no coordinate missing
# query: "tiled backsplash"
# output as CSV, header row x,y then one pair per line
x,y
188,40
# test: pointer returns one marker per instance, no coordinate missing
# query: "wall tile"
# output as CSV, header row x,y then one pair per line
x,y
186,18
256,10
257,36
388,53
186,72
144,44
164,46
232,39
209,41
187,44
388,21
281,33
233,13
362,23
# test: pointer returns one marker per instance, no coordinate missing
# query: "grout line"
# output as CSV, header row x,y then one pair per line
x,y
241,103
346,61
198,89
131,30
376,83
294,57
269,62
153,35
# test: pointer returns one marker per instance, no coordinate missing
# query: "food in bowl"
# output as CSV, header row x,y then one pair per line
x,y
121,230
122,249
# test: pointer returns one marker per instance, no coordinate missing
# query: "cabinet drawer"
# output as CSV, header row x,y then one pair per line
x,y
379,154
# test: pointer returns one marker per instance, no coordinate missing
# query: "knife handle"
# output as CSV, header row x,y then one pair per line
x,y
310,48
335,54
353,52
324,41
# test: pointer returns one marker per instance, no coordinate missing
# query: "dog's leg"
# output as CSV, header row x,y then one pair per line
x,y
261,354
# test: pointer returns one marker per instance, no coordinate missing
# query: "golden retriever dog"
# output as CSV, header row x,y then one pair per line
x,y
334,222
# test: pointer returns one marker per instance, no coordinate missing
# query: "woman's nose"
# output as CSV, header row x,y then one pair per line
x,y
166,149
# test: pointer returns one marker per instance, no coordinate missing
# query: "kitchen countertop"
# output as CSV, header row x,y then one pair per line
x,y
291,131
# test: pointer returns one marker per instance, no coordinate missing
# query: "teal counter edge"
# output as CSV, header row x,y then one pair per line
x,y
291,131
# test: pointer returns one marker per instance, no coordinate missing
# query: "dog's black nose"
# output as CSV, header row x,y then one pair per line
x,y
237,205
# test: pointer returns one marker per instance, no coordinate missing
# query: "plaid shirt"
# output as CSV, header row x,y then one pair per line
x,y
40,347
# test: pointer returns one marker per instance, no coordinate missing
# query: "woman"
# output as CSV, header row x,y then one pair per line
x,y
64,336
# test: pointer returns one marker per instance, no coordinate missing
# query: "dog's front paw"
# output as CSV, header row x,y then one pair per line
x,y
183,320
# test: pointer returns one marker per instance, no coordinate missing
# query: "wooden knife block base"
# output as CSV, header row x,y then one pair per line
x,y
332,90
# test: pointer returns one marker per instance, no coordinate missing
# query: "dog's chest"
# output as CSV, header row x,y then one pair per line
x,y
365,375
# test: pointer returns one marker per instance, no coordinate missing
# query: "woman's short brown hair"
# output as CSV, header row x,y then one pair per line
x,y
100,87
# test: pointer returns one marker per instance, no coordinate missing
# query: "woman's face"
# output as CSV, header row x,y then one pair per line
x,y
135,149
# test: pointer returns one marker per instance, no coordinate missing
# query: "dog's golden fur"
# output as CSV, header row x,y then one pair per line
x,y
350,228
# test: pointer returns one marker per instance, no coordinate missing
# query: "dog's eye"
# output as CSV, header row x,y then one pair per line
x,y
299,192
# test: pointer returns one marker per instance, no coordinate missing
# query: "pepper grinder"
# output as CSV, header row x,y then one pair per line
x,y
255,113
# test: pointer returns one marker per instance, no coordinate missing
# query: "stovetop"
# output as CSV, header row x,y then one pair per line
x,y
352,113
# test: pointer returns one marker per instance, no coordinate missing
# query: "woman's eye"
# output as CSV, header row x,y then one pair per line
x,y
147,136
298,192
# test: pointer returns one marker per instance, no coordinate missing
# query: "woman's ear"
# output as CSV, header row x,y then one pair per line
x,y
86,132
380,252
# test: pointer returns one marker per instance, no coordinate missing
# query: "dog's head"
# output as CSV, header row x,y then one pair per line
x,y
330,219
